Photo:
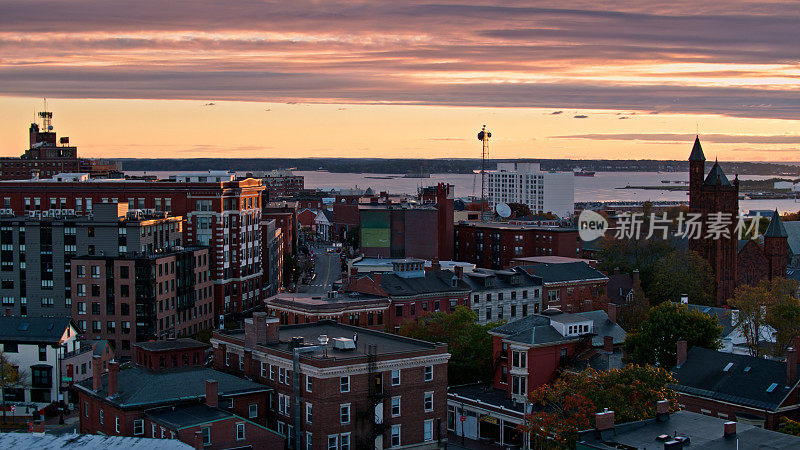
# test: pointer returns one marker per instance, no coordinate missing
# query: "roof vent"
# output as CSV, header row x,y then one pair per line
x,y
344,344
727,367
772,387
323,339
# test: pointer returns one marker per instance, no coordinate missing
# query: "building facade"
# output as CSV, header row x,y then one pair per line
x,y
504,294
526,183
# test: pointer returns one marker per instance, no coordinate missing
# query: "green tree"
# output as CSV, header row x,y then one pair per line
x,y
520,210
633,313
568,405
469,344
630,254
682,272
768,303
666,324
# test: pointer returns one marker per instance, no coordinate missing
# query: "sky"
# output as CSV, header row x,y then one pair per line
x,y
410,79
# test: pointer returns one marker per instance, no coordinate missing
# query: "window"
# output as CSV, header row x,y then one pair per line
x,y
333,442
240,431
518,359
309,441
344,384
427,430
263,369
309,383
396,377
428,373
281,375
206,435
395,440
116,424
42,353
101,417
518,385
344,413
253,410
138,427
308,412
428,401
344,441
395,406
11,347
271,372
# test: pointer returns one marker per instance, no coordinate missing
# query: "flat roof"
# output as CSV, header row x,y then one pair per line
x,y
87,442
170,344
187,415
509,226
551,259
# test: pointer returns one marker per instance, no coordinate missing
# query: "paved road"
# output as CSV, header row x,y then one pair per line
x,y
327,269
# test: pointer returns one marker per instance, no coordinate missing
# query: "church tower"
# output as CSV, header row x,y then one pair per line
x,y
776,246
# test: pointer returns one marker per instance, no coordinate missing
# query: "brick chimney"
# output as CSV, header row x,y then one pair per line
x,y
459,271
272,326
97,373
791,366
729,429
435,265
608,344
613,310
113,370
662,410
681,353
255,330
635,275
212,393
604,420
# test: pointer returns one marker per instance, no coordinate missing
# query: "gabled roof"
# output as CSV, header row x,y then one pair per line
x,y
33,329
724,316
619,286
793,232
559,273
139,387
749,381
776,228
70,441
433,281
716,175
537,329
697,151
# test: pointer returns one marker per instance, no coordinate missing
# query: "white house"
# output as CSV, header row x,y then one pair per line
x,y
34,347
323,222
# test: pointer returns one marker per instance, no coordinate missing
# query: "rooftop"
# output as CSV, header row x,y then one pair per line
x,y
550,260
432,281
537,329
732,378
170,344
509,226
87,442
33,329
187,415
703,431
489,395
560,273
327,304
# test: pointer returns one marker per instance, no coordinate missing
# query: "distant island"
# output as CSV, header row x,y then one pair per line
x,y
403,166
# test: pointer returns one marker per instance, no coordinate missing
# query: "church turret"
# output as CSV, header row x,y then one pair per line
x,y
697,169
776,246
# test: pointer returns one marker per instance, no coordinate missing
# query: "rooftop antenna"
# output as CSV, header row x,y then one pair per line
x,y
47,118
484,136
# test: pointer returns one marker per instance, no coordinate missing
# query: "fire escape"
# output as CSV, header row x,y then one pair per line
x,y
370,415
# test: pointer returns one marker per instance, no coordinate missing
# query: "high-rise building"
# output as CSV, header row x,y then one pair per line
x,y
526,183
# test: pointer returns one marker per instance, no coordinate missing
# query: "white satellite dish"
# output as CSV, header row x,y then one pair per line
x,y
503,210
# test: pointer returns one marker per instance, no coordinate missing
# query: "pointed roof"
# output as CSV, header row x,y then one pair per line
x,y
697,151
716,175
776,228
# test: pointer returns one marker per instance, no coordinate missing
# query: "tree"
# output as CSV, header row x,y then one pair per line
x,y
583,299
469,344
291,269
631,254
634,311
682,272
655,340
520,210
568,405
768,303
10,378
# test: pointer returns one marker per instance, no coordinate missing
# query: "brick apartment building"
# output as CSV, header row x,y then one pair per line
x,y
168,394
37,249
569,286
495,245
280,184
128,299
413,291
272,257
357,388
45,157
743,388
221,212
352,308
285,216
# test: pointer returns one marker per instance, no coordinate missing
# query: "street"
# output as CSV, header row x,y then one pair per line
x,y
327,269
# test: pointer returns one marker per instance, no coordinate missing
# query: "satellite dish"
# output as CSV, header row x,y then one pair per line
x,y
503,210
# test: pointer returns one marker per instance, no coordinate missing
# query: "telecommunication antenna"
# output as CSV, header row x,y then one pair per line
x,y
484,136
47,118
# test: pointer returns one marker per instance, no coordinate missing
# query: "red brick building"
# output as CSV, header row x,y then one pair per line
x,y
569,286
221,212
285,216
755,261
352,308
280,184
495,245
176,403
345,216
352,387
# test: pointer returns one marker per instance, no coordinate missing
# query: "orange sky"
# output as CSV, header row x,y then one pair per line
x,y
404,79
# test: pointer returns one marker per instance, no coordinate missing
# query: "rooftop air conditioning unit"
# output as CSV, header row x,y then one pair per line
x,y
344,344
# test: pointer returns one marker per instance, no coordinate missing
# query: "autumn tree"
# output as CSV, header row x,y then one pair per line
x,y
10,378
634,311
520,210
767,304
568,405
583,299
664,325
468,343
682,272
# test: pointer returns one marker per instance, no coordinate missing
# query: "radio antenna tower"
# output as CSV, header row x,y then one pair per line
x,y
484,136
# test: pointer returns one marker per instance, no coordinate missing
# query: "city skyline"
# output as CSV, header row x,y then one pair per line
x,y
338,79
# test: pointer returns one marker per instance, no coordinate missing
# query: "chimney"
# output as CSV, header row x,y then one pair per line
x,y
198,440
681,353
113,370
729,429
608,344
684,299
459,271
354,271
635,275
791,366
435,264
662,410
272,326
212,394
97,373
604,420
613,310
616,271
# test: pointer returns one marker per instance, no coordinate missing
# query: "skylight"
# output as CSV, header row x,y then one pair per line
x,y
772,387
728,367
747,369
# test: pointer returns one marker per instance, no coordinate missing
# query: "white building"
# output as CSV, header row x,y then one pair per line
x,y
34,347
526,183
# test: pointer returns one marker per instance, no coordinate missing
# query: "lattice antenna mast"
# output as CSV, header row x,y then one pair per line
x,y
484,136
